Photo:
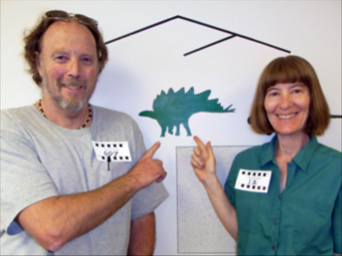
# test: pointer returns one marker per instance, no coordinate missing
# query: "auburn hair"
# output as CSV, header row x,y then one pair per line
x,y
290,69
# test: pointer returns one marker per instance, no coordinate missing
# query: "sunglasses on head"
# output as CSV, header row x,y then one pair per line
x,y
64,16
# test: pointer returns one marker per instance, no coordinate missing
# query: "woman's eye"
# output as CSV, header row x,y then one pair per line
x,y
272,93
297,91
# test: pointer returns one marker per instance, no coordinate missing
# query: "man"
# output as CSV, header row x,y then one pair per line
x,y
60,194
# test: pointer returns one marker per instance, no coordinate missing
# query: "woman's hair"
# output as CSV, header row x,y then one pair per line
x,y
290,69
33,43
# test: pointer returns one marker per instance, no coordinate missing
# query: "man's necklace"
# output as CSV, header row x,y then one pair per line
x,y
90,113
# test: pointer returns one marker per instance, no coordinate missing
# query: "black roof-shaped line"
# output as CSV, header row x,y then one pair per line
x,y
232,34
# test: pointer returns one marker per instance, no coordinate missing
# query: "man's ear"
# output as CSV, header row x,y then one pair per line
x,y
38,65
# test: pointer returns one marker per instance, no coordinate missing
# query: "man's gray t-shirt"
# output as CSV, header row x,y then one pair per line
x,y
40,159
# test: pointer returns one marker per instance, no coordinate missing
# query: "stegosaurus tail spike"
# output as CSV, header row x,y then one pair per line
x,y
227,109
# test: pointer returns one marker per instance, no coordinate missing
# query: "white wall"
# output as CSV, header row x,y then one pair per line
x,y
142,65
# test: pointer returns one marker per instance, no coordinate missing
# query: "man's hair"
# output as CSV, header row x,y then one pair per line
x,y
33,44
290,69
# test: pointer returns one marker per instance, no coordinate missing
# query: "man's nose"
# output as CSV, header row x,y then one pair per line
x,y
74,68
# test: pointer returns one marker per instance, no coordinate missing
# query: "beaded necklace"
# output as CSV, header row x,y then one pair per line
x,y
90,115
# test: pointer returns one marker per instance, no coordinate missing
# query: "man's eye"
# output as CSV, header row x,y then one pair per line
x,y
87,60
61,58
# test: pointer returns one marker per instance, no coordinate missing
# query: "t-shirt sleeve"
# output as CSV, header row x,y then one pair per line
x,y
24,180
149,198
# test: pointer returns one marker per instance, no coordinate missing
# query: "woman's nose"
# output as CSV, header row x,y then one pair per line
x,y
285,101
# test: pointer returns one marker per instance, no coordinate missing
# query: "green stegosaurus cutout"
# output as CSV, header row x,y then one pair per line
x,y
175,108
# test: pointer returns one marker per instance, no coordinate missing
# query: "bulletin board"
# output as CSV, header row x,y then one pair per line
x,y
165,54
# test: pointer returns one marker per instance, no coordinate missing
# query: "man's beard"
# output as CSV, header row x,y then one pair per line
x,y
73,104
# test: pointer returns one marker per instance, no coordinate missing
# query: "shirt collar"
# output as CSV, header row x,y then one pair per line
x,y
267,151
302,158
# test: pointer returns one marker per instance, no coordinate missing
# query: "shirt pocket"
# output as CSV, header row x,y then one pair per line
x,y
248,211
312,227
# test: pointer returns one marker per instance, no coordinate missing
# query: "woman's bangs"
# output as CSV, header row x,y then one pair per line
x,y
283,73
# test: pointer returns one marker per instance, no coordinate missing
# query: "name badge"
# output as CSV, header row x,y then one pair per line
x,y
253,180
112,151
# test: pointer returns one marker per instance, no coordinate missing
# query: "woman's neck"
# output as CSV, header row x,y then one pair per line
x,y
288,146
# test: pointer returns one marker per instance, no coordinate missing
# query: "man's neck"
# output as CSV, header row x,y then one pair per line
x,y
66,119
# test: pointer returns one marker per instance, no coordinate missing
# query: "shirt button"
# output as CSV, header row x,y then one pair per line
x,y
273,247
275,223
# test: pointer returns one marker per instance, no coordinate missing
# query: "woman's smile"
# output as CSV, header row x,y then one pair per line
x,y
287,107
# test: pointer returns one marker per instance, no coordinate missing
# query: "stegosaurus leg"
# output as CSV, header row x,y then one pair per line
x,y
163,131
187,128
170,128
177,129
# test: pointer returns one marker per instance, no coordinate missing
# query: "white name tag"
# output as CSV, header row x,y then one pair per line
x,y
112,151
253,181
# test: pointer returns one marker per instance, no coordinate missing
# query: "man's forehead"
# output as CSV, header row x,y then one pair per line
x,y
67,27
61,32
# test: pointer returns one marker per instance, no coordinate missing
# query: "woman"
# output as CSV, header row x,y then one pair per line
x,y
283,197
